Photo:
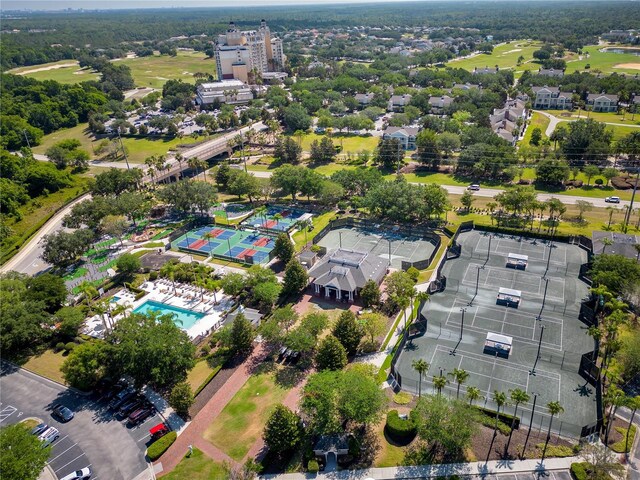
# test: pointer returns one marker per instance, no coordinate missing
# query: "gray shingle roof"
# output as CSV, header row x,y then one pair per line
x,y
348,270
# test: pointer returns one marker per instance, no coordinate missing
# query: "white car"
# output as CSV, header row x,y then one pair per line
x,y
83,474
612,199
474,187
49,436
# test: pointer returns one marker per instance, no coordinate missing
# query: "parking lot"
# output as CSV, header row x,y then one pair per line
x,y
93,438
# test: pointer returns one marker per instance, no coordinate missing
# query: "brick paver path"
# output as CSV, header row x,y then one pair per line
x,y
192,435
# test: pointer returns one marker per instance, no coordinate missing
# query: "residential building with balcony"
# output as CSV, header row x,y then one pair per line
x,y
551,97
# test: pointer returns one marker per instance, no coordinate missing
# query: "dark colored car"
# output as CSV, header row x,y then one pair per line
x,y
127,408
62,413
120,398
141,414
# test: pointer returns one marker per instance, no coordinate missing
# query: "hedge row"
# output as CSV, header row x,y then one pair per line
x,y
157,448
399,428
503,417
581,470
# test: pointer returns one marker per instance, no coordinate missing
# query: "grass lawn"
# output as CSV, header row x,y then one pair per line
x,y
607,117
155,70
47,365
350,143
198,374
319,222
241,422
605,62
389,455
138,148
65,71
504,56
36,212
196,467
537,120
618,131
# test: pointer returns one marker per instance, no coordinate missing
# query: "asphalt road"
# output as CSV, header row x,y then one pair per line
x,y
93,438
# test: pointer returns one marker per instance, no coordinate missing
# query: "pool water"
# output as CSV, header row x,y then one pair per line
x,y
182,317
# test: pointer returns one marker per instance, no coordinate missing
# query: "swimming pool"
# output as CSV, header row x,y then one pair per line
x,y
182,317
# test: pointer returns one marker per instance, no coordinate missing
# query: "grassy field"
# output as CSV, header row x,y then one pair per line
x,y
47,365
151,71
241,422
198,374
64,71
607,117
617,130
319,222
605,62
537,120
350,143
504,56
37,211
196,467
156,70
389,455
138,148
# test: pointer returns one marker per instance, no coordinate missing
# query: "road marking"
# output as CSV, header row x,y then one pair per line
x,y
6,412
144,438
58,469
62,453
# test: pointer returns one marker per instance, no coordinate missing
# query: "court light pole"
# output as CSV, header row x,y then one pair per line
x,y
533,411
229,245
549,257
489,249
544,298
533,370
454,350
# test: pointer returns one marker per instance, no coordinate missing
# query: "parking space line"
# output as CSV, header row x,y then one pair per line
x,y
6,412
58,469
62,453
143,438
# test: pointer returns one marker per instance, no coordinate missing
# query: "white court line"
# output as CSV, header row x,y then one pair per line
x,y
511,312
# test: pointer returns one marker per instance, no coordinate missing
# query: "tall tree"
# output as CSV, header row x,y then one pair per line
x,y
422,367
331,354
518,396
348,331
282,431
21,454
460,376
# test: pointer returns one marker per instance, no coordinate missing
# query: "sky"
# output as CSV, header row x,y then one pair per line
x,y
130,4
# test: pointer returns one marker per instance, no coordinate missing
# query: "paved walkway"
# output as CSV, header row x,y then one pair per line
x,y
193,434
444,471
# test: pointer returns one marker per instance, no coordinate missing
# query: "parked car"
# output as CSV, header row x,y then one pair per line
x,y
83,474
612,199
474,187
62,413
117,401
141,414
129,406
158,431
38,429
49,436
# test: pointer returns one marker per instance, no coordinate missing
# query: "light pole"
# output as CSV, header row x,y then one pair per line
x,y
544,298
533,370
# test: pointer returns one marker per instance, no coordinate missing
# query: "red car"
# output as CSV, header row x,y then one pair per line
x,y
158,431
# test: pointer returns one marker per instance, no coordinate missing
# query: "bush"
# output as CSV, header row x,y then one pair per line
x,y
557,451
618,447
157,448
139,295
313,467
59,346
402,398
399,428
153,276
69,346
503,417
490,421
579,471
413,273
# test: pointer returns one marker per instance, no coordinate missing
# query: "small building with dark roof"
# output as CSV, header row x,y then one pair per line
x,y
251,314
342,273
621,244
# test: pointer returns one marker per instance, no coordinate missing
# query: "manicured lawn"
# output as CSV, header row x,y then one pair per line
x,y
607,117
537,121
47,364
196,467
198,374
241,422
70,72
602,61
36,212
138,148
504,56
155,70
350,143
618,131
389,455
319,222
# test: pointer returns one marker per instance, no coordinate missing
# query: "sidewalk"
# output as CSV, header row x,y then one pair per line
x,y
444,471
193,433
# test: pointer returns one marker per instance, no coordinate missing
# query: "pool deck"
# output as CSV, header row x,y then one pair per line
x,y
185,296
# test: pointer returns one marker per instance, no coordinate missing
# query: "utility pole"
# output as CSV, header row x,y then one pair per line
x,y
124,152
633,196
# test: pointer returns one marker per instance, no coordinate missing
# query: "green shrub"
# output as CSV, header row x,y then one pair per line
x,y
69,346
59,346
398,428
579,471
490,421
413,273
618,447
503,417
157,448
556,450
153,276
313,467
402,398
140,295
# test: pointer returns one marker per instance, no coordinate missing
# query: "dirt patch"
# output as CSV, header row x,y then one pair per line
x,y
632,66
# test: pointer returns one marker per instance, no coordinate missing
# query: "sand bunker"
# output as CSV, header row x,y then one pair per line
x,y
513,51
45,69
632,66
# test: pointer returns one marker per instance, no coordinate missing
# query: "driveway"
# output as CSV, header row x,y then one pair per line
x,y
93,438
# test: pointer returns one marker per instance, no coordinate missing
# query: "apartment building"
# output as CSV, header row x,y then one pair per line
x,y
242,54
406,136
226,91
600,102
551,97
506,121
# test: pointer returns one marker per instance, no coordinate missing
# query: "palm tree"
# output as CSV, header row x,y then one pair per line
x,y
500,398
554,408
421,297
422,367
517,396
473,394
633,403
179,158
121,309
492,208
150,162
88,291
299,134
277,217
208,236
460,376
611,211
615,398
261,211
101,308
605,243
439,382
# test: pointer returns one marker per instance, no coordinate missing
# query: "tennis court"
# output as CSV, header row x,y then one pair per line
x,y
545,340
245,246
387,244
278,219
